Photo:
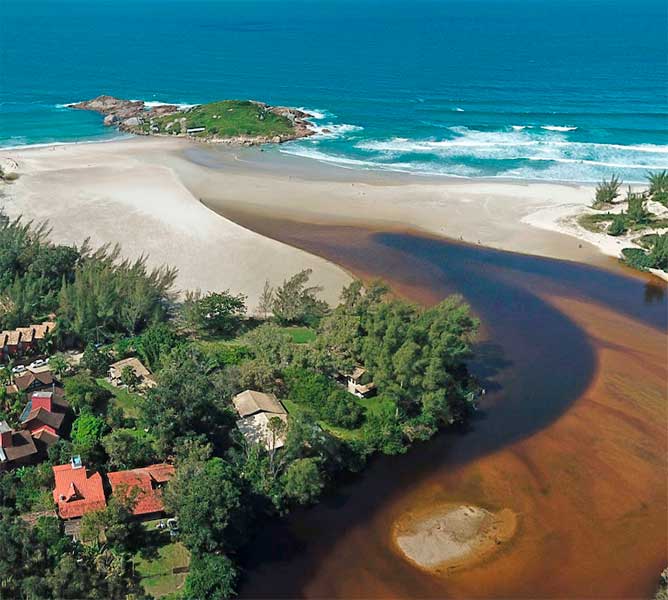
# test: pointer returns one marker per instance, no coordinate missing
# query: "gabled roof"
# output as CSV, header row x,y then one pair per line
x,y
116,369
25,380
250,402
76,492
357,373
45,435
43,329
13,337
22,445
40,416
146,482
255,428
27,333
51,401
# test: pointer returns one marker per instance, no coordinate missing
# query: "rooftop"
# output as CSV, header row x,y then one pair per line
x,y
147,481
76,491
251,402
255,428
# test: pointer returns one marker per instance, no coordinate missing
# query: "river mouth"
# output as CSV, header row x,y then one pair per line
x,y
570,435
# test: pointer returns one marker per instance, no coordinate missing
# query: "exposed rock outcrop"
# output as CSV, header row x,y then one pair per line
x,y
134,116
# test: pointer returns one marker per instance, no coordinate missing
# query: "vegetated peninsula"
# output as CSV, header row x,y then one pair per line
x,y
245,122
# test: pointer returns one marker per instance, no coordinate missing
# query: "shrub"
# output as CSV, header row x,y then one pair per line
x,y
607,192
637,212
618,225
343,410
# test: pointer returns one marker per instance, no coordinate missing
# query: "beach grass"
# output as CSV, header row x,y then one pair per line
x,y
596,223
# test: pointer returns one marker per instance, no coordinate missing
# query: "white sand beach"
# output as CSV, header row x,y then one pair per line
x,y
154,196
107,192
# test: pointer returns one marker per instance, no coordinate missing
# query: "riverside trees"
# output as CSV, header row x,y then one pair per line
x,y
95,293
224,483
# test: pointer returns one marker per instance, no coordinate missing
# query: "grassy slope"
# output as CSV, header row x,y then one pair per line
x,y
229,118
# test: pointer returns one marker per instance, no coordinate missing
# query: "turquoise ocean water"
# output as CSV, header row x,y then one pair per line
x,y
546,89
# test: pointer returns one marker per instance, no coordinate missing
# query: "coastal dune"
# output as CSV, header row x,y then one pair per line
x,y
115,193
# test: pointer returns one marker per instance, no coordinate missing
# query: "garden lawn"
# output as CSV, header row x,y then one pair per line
x,y
155,564
127,401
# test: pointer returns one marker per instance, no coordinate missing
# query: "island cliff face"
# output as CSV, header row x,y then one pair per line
x,y
246,122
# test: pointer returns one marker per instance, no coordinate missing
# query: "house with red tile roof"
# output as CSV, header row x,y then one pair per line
x,y
77,491
143,486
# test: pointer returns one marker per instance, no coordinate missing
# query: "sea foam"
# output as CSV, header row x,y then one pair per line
x,y
562,128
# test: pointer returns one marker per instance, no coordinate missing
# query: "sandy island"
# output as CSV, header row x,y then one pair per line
x,y
453,537
154,196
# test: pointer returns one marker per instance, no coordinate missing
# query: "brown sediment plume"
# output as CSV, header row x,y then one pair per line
x,y
587,476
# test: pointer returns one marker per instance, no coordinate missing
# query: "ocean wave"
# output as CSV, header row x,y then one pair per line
x,y
410,168
565,171
562,128
310,152
334,130
147,104
521,144
598,163
316,113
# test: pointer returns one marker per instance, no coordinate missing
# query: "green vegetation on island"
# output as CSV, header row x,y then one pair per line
x,y
238,121
226,119
160,380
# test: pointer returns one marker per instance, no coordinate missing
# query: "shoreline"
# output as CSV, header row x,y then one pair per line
x,y
554,450
163,178
432,177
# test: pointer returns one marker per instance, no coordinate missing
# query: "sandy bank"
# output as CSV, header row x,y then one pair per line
x,y
151,195
497,214
452,537
121,192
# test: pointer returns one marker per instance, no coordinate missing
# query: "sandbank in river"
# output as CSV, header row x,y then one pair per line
x,y
572,434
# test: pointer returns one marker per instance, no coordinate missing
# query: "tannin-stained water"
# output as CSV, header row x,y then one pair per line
x,y
571,435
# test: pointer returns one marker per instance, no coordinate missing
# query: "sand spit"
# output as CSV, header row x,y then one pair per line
x,y
120,192
453,537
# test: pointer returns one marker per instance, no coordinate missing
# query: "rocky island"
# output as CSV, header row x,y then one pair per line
x,y
246,122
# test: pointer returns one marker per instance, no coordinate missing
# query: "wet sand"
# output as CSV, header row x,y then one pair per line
x,y
453,537
571,435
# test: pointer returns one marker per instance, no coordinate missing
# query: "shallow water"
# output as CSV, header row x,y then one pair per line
x,y
571,357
